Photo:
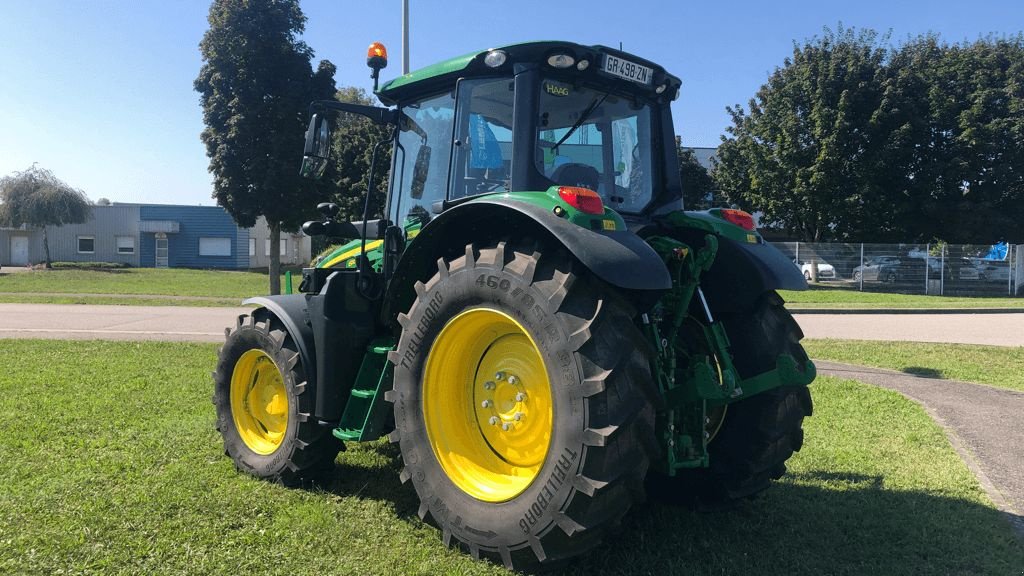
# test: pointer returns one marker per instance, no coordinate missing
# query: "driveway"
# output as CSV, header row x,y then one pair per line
x,y
86,322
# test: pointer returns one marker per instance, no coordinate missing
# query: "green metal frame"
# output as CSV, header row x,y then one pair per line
x,y
708,380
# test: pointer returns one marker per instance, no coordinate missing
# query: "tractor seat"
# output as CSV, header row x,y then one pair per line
x,y
573,174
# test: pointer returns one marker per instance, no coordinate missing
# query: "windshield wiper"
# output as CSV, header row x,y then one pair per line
x,y
583,118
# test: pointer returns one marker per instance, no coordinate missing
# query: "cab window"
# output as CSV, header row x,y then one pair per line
x,y
483,139
421,160
598,140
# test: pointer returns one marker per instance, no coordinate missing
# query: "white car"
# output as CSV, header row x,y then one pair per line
x,y
825,270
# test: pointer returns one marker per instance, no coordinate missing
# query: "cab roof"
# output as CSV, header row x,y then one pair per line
x,y
443,74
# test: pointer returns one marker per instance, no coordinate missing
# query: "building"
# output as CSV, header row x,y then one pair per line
x,y
154,236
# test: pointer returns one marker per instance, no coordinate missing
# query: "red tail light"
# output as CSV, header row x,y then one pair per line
x,y
739,218
582,199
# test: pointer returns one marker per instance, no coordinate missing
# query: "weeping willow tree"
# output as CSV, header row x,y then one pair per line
x,y
39,199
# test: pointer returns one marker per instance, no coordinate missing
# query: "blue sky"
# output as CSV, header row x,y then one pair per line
x,y
100,91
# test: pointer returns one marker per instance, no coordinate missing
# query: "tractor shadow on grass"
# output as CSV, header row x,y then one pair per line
x,y
855,525
372,471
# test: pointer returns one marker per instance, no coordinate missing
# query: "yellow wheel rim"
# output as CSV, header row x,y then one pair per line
x,y
259,402
487,404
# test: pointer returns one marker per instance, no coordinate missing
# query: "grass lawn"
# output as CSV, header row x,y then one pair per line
x,y
829,297
221,286
111,465
995,365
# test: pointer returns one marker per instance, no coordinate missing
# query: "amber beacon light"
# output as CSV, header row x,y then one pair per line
x,y
377,56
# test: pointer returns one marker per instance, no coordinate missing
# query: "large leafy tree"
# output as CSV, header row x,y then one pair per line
x,y
37,198
951,140
798,154
256,84
850,139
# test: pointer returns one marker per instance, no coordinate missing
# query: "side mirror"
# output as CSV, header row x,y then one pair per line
x,y
317,149
419,171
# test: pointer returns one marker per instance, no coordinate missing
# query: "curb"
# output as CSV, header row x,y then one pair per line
x,y
905,310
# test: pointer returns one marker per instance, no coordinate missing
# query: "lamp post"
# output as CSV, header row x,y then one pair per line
x,y
405,36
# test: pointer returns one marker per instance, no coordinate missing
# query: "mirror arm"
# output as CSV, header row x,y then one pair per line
x,y
375,114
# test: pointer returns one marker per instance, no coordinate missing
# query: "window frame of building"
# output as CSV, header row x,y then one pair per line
x,y
130,249
252,247
215,246
91,239
284,247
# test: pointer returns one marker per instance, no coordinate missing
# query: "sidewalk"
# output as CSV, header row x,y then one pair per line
x,y
985,425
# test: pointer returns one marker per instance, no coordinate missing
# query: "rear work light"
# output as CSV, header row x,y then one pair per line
x,y
739,218
583,199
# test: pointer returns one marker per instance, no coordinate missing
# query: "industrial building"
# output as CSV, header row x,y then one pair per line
x,y
154,236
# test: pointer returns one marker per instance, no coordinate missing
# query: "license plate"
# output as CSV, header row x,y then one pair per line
x,y
625,69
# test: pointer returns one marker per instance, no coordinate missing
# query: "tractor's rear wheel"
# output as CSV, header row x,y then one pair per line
x,y
759,434
519,406
264,406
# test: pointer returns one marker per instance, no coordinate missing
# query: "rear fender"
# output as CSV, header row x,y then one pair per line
x,y
745,267
619,257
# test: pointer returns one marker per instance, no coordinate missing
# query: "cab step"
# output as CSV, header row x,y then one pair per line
x,y
365,412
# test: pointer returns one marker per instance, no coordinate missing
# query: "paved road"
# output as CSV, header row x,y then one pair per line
x,y
177,323
991,329
985,425
80,322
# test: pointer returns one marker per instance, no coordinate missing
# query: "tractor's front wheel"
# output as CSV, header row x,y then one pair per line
x,y
519,405
264,406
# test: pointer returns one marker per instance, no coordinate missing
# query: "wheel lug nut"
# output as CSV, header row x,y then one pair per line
x,y
506,426
486,404
512,380
493,421
499,376
489,385
518,416
520,397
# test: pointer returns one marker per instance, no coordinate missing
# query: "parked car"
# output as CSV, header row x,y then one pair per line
x,y
879,268
967,269
994,271
825,270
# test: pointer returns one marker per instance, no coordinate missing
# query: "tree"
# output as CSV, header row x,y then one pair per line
x,y
698,187
256,84
798,155
951,150
37,198
853,140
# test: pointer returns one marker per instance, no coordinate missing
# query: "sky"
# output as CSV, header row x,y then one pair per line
x,y
100,91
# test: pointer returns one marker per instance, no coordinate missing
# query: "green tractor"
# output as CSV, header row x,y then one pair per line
x,y
535,320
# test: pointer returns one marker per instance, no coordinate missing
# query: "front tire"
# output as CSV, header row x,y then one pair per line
x,y
500,332
264,406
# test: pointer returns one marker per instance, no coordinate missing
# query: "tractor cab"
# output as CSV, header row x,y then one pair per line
x,y
532,117
587,126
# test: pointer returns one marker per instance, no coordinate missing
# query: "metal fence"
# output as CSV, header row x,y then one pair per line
x,y
938,269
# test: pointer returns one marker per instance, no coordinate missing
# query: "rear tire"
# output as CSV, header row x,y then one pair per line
x,y
759,434
591,371
264,406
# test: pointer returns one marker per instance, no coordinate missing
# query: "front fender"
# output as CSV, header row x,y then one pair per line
x,y
618,257
291,310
